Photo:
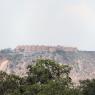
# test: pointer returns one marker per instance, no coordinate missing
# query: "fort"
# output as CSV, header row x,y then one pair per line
x,y
37,48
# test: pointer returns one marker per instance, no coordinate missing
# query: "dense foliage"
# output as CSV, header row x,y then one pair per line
x,y
45,77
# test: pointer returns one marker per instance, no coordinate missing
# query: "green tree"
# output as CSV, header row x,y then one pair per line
x,y
50,78
44,77
87,87
8,83
45,70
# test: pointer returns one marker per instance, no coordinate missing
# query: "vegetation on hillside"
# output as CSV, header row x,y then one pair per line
x,y
45,77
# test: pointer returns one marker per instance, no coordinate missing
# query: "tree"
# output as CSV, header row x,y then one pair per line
x,y
8,83
50,78
45,70
87,87
45,77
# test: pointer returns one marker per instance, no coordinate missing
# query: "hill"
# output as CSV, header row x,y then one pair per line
x,y
16,61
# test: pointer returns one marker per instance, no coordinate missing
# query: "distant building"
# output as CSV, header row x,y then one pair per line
x,y
37,48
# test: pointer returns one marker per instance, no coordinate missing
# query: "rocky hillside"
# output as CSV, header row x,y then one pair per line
x,y
16,61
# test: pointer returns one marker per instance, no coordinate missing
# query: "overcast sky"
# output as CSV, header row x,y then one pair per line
x,y
47,22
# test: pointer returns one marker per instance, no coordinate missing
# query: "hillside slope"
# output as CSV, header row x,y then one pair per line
x,y
82,62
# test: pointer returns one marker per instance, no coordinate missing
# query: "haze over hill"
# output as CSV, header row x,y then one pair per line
x,y
49,22
16,60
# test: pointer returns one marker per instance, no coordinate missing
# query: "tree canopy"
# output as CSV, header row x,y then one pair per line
x,y
44,77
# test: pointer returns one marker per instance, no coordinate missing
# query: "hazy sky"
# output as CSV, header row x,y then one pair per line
x,y
47,22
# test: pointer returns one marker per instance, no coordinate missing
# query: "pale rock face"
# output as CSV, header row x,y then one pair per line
x,y
4,65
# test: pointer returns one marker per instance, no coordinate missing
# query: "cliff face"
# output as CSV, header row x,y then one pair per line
x,y
16,61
